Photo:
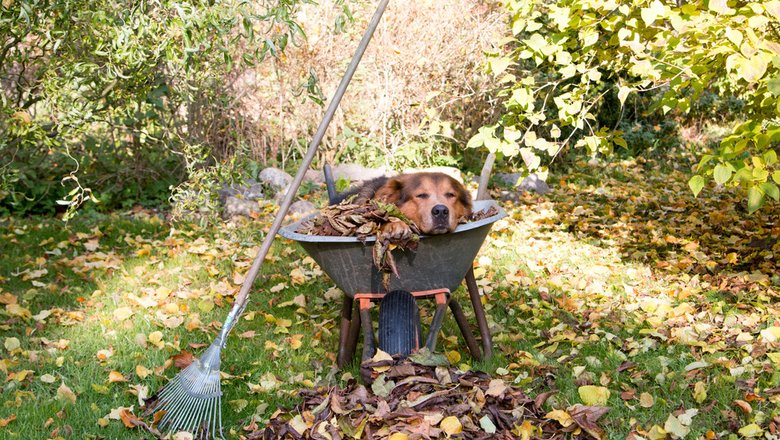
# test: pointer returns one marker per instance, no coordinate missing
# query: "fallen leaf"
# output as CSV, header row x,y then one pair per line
x,y
115,376
48,378
561,417
12,344
4,422
65,394
156,339
675,428
750,431
593,395
183,359
451,426
123,313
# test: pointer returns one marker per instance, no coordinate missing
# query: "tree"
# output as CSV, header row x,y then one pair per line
x,y
565,57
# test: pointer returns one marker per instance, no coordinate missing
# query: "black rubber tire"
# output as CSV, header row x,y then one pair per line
x,y
399,323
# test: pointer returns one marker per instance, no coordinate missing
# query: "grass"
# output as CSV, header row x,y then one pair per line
x,y
615,283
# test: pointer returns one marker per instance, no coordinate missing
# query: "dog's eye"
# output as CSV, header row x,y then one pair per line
x,y
449,195
422,196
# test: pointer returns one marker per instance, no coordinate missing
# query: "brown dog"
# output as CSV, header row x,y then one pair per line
x,y
435,202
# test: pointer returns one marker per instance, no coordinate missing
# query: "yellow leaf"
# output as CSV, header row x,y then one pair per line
x,y
398,436
699,392
453,356
656,433
526,430
48,378
751,430
17,310
115,376
142,371
296,341
771,334
646,400
12,344
65,394
561,417
297,276
103,422
774,357
156,338
593,395
451,425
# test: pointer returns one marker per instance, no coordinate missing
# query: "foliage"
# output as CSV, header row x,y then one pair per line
x,y
119,92
565,58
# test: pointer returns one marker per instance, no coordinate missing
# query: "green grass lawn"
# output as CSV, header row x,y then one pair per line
x,y
630,284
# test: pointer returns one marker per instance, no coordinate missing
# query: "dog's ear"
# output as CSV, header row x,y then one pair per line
x,y
391,191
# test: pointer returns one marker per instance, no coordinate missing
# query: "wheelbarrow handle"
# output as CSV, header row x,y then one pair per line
x,y
243,295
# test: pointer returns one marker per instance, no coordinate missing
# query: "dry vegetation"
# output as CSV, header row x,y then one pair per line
x,y
423,66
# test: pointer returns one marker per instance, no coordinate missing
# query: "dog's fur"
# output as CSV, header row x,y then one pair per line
x,y
435,202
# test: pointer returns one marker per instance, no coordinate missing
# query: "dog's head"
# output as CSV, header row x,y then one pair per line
x,y
433,201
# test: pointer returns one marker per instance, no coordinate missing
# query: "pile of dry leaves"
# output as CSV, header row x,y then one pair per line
x,y
410,400
365,220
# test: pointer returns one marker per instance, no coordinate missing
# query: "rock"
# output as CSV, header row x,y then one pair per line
x,y
314,176
507,178
275,178
355,172
301,208
535,184
239,206
450,171
530,183
254,192
227,191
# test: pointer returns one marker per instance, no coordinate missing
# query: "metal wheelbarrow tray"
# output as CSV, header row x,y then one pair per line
x,y
440,262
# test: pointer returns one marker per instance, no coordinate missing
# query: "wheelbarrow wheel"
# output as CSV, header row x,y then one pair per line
x,y
399,323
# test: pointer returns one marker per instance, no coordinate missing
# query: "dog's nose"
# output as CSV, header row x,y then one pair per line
x,y
440,212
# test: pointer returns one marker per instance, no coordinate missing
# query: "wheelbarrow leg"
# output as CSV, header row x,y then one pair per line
x,y
433,330
369,346
465,330
346,344
352,338
479,313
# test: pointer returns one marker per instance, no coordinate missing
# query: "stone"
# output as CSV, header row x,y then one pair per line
x,y
535,184
314,176
275,178
358,173
301,208
507,178
239,206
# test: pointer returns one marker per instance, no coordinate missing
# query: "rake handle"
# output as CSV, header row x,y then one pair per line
x,y
243,295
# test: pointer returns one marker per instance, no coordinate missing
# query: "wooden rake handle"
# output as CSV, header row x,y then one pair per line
x,y
243,295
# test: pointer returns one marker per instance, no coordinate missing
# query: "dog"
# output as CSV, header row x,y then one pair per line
x,y
435,202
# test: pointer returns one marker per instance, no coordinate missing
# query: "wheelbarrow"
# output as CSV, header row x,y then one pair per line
x,y
436,268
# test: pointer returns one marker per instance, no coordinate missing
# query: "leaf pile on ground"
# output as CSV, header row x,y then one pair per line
x,y
408,400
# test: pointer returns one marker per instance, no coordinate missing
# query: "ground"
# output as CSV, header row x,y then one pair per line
x,y
622,289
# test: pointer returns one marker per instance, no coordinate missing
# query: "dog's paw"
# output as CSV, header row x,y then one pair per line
x,y
395,231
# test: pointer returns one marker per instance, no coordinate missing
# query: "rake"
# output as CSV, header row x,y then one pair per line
x,y
192,401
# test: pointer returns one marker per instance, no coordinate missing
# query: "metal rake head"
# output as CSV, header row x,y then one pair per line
x,y
192,400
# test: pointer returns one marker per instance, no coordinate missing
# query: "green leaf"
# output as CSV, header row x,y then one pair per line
x,y
623,93
771,190
722,173
498,65
776,177
696,184
756,199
